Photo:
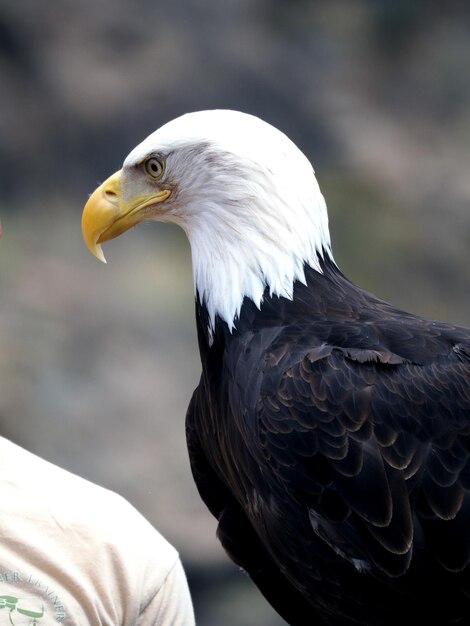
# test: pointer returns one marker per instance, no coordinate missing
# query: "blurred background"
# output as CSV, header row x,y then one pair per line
x,y
97,363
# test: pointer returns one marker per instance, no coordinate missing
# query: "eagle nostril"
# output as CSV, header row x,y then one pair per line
x,y
110,195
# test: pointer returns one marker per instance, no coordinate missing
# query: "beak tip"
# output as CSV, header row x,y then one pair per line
x,y
98,252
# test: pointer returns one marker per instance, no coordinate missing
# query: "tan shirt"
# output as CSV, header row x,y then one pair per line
x,y
73,553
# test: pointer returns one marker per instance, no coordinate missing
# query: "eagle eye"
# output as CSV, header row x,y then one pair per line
x,y
154,167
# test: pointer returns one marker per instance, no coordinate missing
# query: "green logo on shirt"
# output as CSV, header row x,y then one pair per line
x,y
17,607
26,600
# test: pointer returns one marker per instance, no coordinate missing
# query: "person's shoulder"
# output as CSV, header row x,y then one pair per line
x,y
97,515
83,541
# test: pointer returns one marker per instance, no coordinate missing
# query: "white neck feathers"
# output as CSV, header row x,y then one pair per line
x,y
255,234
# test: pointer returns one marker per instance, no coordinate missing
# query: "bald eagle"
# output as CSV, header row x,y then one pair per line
x,y
330,431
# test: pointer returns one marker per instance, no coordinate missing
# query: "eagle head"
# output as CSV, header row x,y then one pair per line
x,y
245,195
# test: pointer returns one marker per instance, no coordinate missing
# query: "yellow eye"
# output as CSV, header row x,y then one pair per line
x,y
154,167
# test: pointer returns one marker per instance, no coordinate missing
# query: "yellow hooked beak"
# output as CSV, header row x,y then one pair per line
x,y
106,216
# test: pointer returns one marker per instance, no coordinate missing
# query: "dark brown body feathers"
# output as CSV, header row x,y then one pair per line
x,y
330,436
